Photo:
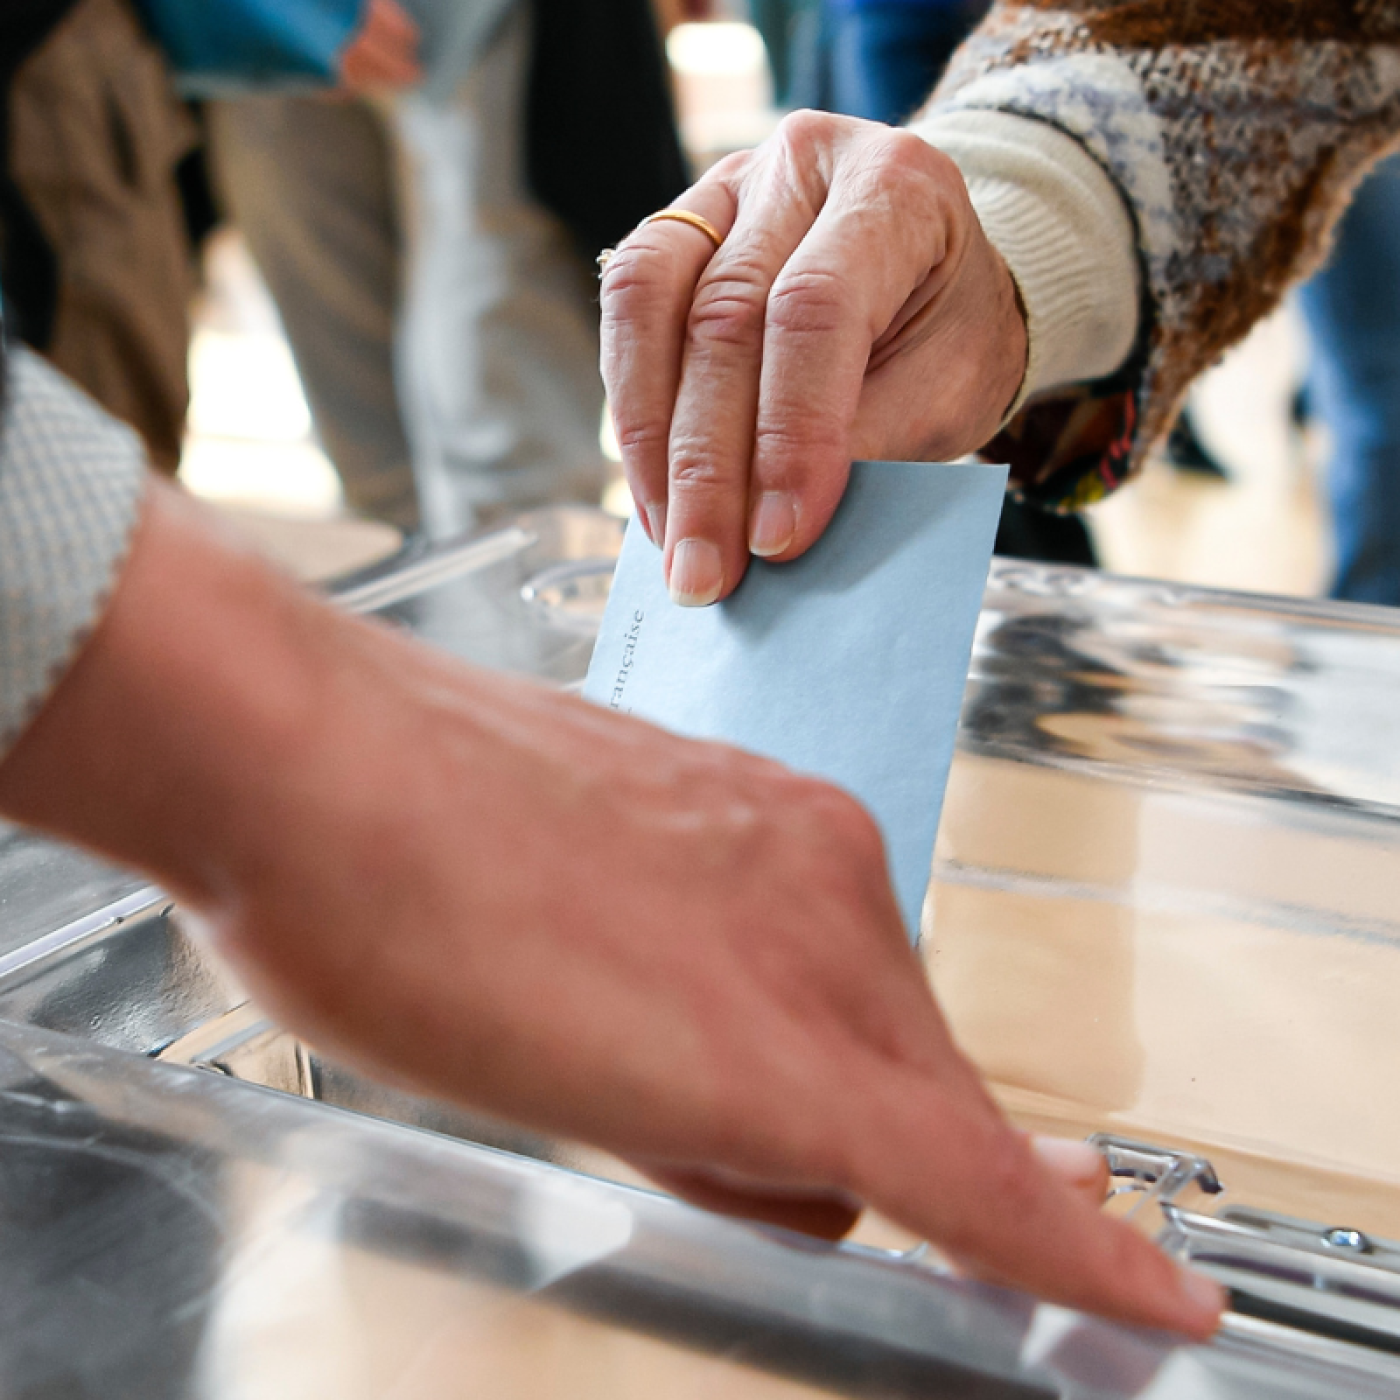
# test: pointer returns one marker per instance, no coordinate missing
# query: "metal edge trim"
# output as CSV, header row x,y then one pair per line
x,y
439,567
15,966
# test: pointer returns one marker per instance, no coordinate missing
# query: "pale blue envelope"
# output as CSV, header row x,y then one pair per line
x,y
848,663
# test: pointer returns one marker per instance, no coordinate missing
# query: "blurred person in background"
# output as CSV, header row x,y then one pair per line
x,y
429,243
1352,310
887,55
95,260
793,34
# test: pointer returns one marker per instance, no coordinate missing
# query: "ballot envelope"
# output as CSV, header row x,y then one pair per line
x,y
1163,913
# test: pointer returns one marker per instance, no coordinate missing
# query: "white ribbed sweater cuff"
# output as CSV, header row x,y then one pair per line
x,y
72,483
1059,221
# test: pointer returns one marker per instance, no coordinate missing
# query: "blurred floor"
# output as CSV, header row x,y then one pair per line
x,y
251,449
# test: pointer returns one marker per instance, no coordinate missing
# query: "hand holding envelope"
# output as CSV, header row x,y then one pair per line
x,y
855,308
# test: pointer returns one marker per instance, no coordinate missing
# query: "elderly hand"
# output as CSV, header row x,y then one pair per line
x,y
855,309
678,952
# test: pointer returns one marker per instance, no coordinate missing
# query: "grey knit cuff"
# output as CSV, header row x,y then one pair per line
x,y
71,486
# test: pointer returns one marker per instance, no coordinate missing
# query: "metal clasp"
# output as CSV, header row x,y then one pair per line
x,y
1331,1280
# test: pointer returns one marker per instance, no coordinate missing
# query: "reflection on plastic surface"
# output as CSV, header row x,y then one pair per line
x,y
44,885
567,1225
172,1234
135,980
1290,699
1165,894
1167,883
522,609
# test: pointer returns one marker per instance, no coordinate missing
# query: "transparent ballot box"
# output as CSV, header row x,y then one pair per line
x,y
1162,912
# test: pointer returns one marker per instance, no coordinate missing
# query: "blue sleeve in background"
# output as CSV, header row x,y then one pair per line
x,y
222,45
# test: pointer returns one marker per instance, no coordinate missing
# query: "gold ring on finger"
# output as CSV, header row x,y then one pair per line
x,y
685,216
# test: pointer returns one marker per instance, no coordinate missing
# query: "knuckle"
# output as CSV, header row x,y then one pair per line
x,y
846,820
902,151
929,184
636,272
640,436
732,166
811,301
784,443
729,310
862,838
805,130
694,472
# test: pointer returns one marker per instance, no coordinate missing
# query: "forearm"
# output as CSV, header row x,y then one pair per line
x,y
108,597
166,697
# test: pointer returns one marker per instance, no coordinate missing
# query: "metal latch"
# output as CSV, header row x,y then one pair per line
x,y
1331,1280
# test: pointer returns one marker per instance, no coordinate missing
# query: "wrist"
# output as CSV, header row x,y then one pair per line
x,y
1014,338
1063,230
198,689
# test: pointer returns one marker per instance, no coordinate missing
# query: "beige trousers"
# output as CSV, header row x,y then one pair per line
x,y
96,133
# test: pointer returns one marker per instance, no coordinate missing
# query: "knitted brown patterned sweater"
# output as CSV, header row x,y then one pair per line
x,y
1235,131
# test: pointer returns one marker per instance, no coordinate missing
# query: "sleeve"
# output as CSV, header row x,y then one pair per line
x,y
218,46
72,481
1233,134
1065,232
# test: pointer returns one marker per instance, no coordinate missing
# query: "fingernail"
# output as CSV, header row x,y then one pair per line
x,y
774,523
1078,1163
696,573
1203,1296
656,523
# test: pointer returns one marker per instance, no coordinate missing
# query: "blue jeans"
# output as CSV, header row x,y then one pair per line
x,y
886,58
1352,309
